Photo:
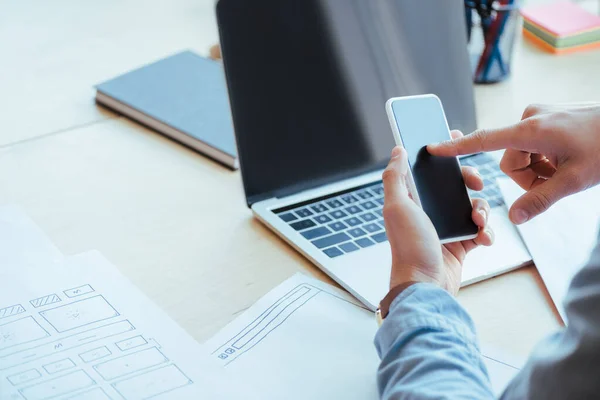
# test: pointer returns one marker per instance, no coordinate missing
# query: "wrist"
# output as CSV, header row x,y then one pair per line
x,y
411,274
401,275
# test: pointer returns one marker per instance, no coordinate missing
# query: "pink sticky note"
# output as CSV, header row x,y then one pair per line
x,y
561,19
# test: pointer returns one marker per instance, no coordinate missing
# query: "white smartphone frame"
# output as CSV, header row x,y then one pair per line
x,y
412,187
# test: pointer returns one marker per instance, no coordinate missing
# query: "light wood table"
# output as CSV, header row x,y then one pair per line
x,y
174,222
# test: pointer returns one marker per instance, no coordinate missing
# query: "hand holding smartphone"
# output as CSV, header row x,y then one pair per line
x,y
436,183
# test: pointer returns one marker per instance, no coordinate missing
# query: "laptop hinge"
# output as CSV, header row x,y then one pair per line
x,y
314,184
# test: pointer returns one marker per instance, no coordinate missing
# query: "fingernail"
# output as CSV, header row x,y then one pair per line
x,y
490,234
483,214
520,216
395,152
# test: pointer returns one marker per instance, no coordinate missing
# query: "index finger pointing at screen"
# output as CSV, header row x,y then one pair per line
x,y
518,136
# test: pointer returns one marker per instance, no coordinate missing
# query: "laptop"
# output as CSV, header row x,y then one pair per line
x,y
307,84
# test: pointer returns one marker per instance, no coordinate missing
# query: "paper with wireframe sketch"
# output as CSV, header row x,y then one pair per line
x,y
308,340
84,331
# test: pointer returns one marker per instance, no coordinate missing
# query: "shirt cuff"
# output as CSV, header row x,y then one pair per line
x,y
424,306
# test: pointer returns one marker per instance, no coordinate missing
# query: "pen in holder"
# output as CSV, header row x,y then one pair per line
x,y
492,28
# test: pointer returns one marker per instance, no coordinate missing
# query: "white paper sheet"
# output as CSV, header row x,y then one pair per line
x,y
561,239
22,242
85,332
308,340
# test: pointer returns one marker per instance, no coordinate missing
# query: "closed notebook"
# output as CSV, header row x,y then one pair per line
x,y
183,96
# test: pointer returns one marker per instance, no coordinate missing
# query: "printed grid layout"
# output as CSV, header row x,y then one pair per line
x,y
136,370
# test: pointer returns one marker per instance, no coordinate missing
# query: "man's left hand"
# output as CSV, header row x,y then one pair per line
x,y
417,254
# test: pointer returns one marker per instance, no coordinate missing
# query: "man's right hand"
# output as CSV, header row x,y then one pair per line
x,y
552,153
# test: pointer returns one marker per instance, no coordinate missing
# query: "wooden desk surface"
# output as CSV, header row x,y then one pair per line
x,y
174,222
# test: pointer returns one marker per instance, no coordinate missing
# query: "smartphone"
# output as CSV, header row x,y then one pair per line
x,y
436,183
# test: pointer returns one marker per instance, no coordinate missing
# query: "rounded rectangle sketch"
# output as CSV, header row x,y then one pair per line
x,y
95,354
22,377
45,300
79,313
266,322
21,331
131,343
59,386
128,364
78,291
11,311
65,343
153,383
58,366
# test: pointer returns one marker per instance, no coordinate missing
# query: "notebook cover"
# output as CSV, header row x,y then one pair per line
x,y
561,19
185,91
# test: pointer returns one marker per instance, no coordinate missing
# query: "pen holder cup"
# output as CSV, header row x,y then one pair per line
x,y
491,32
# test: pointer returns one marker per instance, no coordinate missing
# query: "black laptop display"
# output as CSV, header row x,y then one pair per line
x,y
308,81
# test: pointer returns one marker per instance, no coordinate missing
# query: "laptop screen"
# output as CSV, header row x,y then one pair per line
x,y
308,81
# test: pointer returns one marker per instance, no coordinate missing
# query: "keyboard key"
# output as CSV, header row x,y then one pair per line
x,y
364,242
372,228
380,201
357,232
287,217
304,212
333,252
331,240
379,237
335,203
364,195
315,233
496,202
353,209
338,226
377,189
337,214
369,205
368,217
353,221
348,247
305,223
319,208
349,199
322,219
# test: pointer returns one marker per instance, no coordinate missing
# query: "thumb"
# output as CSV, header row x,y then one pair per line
x,y
543,196
394,177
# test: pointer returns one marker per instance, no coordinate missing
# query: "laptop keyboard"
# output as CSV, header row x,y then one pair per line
x,y
490,170
351,220
341,223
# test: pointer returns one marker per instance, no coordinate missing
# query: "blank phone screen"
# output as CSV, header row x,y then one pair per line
x,y
439,180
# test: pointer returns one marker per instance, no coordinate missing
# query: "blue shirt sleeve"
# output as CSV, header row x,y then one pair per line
x,y
428,349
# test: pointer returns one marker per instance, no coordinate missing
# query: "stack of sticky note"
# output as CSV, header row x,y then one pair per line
x,y
562,27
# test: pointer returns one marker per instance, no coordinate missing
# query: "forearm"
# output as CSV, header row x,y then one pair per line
x,y
428,349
